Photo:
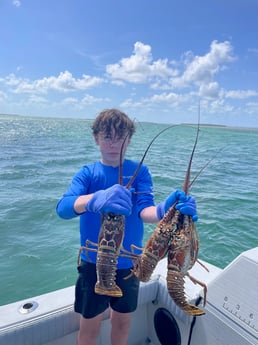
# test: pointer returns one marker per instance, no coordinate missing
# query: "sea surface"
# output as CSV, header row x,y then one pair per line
x,y
39,156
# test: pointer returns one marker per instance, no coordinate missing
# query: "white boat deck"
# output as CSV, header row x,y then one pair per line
x,y
230,311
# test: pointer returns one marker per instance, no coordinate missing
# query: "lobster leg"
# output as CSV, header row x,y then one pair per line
x,y
86,249
196,281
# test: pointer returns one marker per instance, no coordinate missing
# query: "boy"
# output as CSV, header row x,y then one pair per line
x,y
95,190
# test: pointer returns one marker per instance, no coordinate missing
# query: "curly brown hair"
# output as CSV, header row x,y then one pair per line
x,y
113,120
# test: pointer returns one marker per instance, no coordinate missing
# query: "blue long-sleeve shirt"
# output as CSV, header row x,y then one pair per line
x,y
97,176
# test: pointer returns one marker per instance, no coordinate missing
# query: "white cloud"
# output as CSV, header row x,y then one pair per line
x,y
88,99
168,99
64,82
80,103
202,69
139,67
177,84
70,100
252,108
165,97
11,80
210,90
241,94
37,99
197,71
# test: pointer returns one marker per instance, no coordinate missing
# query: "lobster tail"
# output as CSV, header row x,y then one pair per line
x,y
175,284
106,273
109,243
146,266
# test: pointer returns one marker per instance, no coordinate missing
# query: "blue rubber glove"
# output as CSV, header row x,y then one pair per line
x,y
185,204
116,199
163,207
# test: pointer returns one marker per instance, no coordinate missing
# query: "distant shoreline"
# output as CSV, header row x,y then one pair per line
x,y
90,119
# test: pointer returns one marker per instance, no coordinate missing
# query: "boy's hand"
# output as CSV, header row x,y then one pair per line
x,y
116,199
185,204
188,206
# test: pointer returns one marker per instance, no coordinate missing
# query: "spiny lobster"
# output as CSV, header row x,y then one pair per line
x,y
110,240
175,236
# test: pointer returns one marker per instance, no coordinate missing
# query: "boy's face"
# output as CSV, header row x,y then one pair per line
x,y
110,147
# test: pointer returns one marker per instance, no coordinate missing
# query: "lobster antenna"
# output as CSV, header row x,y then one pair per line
x,y
120,180
204,167
186,184
121,160
129,184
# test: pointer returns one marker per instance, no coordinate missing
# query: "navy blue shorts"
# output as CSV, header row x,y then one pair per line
x,y
89,304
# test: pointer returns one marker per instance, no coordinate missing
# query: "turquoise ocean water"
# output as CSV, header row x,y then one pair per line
x,y
38,157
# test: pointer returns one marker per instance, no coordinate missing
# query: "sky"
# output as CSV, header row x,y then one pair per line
x,y
156,60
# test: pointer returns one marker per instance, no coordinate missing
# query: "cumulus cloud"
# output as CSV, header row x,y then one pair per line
x,y
201,70
70,100
165,97
139,67
37,99
85,100
198,71
210,90
171,99
64,82
89,99
176,83
11,80
241,94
